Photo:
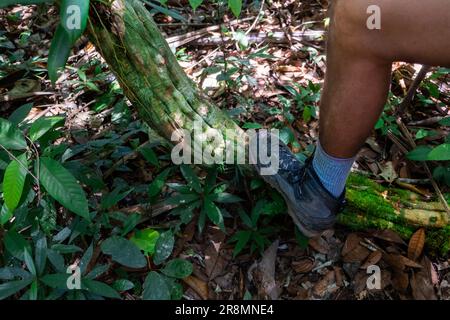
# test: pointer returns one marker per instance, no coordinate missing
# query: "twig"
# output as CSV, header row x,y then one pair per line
x,y
412,90
261,9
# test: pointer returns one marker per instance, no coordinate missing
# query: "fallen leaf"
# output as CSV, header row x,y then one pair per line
x,y
303,265
421,282
400,281
199,286
372,259
319,244
416,243
325,286
388,235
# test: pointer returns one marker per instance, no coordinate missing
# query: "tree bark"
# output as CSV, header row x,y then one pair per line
x,y
168,101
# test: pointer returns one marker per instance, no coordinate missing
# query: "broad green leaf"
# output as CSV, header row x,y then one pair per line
x,y
177,268
123,285
146,240
63,187
419,154
445,122
235,6
14,181
225,197
20,114
15,244
29,262
155,287
213,213
149,155
191,177
56,280
180,199
6,3
74,15
40,254
66,248
9,288
124,252
158,183
163,247
195,3
100,288
58,53
112,198
242,238
42,125
5,214
440,153
10,137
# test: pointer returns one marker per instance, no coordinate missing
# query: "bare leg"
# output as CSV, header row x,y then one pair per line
x,y
359,62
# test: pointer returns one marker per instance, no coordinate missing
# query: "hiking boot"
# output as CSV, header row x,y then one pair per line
x,y
312,207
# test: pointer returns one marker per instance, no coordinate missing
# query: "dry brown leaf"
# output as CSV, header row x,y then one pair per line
x,y
199,286
410,263
319,244
303,265
416,243
400,281
395,261
388,235
325,285
421,282
352,250
372,259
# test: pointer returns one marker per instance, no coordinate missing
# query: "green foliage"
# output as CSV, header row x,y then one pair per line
x,y
202,195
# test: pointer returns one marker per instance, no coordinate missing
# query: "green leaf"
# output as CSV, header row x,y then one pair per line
x,y
242,238
9,288
225,197
66,248
163,247
440,153
146,240
155,287
213,213
112,198
15,244
195,3
149,155
419,154
178,268
63,187
235,6
40,254
191,177
29,262
10,137
123,285
74,15
14,181
6,3
42,125
56,280
58,53
445,122
5,215
158,183
20,114
100,288
124,252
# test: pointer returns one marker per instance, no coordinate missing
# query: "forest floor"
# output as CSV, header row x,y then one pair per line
x,y
267,74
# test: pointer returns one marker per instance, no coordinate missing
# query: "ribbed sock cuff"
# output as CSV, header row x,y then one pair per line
x,y
332,172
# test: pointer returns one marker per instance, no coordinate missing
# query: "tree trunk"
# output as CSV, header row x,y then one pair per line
x,y
168,101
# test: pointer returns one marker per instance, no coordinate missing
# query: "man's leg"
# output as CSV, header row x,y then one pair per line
x,y
359,68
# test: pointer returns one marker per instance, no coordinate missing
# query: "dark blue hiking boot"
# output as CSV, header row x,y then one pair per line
x,y
311,206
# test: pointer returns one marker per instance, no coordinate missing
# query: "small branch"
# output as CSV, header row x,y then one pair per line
x,y
412,90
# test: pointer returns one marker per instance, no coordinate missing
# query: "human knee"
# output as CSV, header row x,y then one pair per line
x,y
352,24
